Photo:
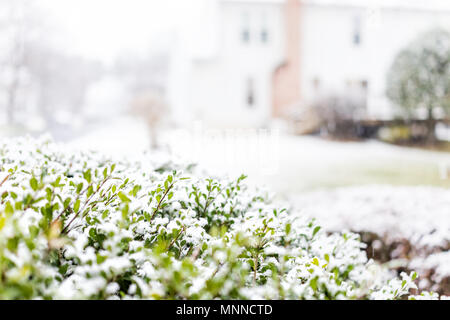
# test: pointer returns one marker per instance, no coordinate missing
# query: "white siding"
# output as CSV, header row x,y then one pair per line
x,y
217,84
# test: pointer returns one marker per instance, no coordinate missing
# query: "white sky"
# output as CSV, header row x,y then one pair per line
x,y
104,28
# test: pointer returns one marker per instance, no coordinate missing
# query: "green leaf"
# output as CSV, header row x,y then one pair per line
x,y
18,205
12,244
100,258
9,208
288,228
56,183
316,229
90,191
313,283
67,202
135,190
87,175
34,184
76,206
123,197
315,261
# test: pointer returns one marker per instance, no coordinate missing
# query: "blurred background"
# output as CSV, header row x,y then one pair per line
x,y
299,94
343,106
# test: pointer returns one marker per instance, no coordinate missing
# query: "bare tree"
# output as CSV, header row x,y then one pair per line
x,y
339,113
144,79
18,25
152,108
34,71
142,74
61,80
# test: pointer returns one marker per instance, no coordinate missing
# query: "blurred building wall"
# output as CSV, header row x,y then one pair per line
x,y
351,44
271,54
233,86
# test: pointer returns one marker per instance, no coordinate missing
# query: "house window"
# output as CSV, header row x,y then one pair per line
x,y
356,31
364,84
264,31
245,33
250,93
264,36
316,83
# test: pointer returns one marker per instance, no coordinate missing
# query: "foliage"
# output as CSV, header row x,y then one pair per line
x,y
395,134
78,225
419,77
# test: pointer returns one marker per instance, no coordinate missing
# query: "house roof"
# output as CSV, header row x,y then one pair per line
x,y
255,1
433,5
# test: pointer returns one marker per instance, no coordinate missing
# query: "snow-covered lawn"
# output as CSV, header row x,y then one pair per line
x,y
297,163
307,163
119,136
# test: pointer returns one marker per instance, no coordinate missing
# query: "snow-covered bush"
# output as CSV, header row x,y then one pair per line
x,y
79,225
405,227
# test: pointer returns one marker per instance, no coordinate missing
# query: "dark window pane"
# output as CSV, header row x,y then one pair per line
x,y
264,36
245,36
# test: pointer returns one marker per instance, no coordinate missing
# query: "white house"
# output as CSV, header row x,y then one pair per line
x,y
244,62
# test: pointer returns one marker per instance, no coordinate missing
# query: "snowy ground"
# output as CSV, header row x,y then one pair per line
x,y
307,163
286,164
120,136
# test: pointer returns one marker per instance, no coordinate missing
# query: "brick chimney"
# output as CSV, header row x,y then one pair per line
x,y
286,77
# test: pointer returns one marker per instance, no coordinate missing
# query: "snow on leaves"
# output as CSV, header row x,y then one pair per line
x,y
79,225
